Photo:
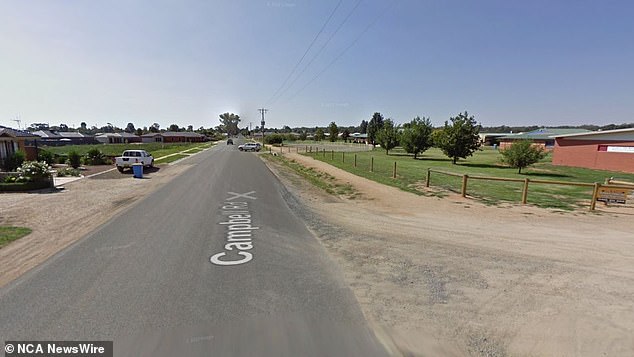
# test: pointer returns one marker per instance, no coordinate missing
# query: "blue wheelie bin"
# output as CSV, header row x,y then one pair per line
x,y
137,170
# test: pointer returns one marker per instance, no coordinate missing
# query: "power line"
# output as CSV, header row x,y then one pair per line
x,y
344,51
320,50
306,52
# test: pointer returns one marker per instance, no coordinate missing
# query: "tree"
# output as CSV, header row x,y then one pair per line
x,y
154,128
319,134
230,123
139,131
173,127
522,154
345,135
388,136
375,124
130,128
83,127
460,139
63,127
303,135
363,128
416,136
334,131
190,128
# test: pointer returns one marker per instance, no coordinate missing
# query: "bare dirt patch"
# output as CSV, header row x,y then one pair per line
x,y
60,218
452,276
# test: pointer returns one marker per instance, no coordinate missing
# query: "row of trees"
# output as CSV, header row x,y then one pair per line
x,y
457,139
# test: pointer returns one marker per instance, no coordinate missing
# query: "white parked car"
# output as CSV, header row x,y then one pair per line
x,y
130,157
250,147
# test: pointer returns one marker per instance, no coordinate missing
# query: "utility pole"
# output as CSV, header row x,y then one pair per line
x,y
18,121
262,111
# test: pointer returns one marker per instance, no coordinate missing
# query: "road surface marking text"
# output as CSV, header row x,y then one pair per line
x,y
239,231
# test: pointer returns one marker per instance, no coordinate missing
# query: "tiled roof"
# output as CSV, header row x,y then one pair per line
x,y
15,133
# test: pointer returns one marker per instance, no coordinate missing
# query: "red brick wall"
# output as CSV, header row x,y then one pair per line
x,y
585,153
539,143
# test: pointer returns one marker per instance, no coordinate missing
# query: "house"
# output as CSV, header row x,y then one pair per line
x,y
490,139
12,140
359,138
603,150
152,138
182,137
544,137
117,138
59,138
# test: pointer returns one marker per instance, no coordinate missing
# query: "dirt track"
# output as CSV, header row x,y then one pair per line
x,y
454,277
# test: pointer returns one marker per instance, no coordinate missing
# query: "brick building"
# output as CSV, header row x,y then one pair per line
x,y
603,150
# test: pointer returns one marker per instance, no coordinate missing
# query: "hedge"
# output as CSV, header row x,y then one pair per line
x,y
24,186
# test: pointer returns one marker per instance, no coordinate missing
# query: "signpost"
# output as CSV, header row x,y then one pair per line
x,y
613,195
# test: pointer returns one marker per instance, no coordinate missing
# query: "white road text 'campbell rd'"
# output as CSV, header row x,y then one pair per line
x,y
239,233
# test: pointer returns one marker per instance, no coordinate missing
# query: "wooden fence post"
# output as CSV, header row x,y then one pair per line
x,y
464,185
394,171
525,191
324,152
595,195
371,163
355,160
428,177
343,156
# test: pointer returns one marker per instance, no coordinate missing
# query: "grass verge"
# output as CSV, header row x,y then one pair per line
x,y
169,159
317,178
9,234
411,176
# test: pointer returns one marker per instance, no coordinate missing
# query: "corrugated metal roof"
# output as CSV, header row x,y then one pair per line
x,y
15,133
542,134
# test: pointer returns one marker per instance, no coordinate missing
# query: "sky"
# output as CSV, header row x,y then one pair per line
x,y
507,62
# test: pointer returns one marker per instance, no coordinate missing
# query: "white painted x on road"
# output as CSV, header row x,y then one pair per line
x,y
242,195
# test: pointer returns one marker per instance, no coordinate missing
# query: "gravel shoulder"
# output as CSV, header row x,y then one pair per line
x,y
454,277
60,218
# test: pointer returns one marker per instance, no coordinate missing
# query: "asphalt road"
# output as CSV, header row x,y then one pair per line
x,y
145,279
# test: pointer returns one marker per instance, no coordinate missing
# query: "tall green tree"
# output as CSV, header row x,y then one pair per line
x,y
173,127
345,135
416,136
388,136
319,134
230,123
363,128
374,125
154,128
459,139
522,154
130,128
333,130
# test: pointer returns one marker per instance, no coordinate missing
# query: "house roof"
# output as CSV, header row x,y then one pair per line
x,y
150,135
182,133
46,134
542,134
117,135
616,134
4,131
71,134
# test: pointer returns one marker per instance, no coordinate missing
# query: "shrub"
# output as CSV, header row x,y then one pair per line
x,y
13,161
67,171
522,154
46,156
33,171
274,139
95,157
74,159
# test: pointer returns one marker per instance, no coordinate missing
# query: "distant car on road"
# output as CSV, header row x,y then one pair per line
x,y
230,142
250,147
130,157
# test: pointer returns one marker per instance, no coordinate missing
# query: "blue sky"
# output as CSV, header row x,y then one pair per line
x,y
506,62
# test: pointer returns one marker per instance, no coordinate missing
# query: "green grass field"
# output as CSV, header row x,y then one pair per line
x,y
156,149
9,234
411,176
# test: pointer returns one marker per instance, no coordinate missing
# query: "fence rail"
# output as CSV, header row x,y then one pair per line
x,y
596,186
